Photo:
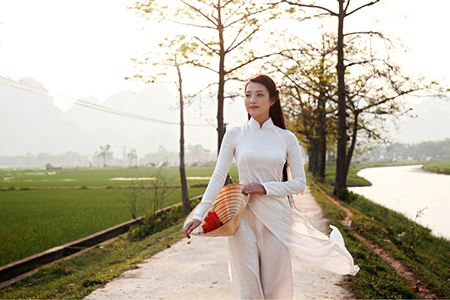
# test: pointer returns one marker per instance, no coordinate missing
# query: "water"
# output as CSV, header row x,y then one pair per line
x,y
407,190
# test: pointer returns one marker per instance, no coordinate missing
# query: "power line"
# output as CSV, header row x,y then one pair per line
x,y
17,84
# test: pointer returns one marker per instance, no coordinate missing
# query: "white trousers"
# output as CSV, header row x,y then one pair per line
x,y
260,264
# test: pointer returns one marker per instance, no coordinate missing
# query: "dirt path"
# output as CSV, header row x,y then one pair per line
x,y
199,270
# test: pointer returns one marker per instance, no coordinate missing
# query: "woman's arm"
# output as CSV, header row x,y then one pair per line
x,y
298,182
217,180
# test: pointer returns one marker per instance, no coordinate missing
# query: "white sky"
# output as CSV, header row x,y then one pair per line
x,y
83,48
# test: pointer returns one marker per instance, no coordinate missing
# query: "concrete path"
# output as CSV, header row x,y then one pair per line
x,y
199,270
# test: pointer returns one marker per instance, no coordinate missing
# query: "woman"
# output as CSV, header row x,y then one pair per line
x,y
270,229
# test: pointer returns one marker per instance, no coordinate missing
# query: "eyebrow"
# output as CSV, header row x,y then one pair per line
x,y
255,91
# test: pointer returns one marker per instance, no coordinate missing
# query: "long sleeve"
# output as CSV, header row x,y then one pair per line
x,y
217,180
298,182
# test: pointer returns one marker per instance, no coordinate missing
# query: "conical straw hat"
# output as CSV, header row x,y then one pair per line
x,y
229,206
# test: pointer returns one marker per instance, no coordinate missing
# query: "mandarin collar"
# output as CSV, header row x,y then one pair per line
x,y
267,125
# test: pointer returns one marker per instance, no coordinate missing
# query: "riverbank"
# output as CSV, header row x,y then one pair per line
x,y
442,167
425,255
419,195
353,180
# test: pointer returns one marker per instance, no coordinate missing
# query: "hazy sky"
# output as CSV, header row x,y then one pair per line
x,y
83,48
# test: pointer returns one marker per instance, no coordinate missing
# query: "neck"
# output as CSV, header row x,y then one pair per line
x,y
261,120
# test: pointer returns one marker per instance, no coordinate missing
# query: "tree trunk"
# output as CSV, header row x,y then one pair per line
x,y
341,178
221,127
322,141
311,157
221,89
321,116
351,149
184,187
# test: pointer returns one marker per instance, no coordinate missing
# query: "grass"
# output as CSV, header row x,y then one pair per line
x,y
352,178
442,167
426,255
77,276
376,279
86,177
37,220
36,216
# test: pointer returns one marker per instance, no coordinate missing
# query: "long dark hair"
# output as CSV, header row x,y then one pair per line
x,y
275,112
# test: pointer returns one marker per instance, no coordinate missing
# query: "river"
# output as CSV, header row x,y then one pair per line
x,y
409,189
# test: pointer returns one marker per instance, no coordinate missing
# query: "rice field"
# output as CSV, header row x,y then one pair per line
x,y
47,212
31,178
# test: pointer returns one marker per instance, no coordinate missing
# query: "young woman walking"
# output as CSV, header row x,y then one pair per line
x,y
270,230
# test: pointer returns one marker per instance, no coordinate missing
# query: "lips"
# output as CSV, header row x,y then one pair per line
x,y
253,107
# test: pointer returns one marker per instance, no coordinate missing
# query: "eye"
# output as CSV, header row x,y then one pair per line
x,y
260,95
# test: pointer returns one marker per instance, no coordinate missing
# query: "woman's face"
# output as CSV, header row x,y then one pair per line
x,y
257,101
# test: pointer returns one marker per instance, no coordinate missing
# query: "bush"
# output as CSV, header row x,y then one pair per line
x,y
347,196
154,224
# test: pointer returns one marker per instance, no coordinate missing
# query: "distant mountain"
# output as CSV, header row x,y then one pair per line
x,y
31,123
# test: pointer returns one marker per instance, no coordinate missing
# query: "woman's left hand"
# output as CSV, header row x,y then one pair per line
x,y
189,227
253,188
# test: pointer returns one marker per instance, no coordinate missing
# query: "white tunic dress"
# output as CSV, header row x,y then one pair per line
x,y
269,225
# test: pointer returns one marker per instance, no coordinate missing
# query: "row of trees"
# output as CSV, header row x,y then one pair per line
x,y
429,150
338,89
195,154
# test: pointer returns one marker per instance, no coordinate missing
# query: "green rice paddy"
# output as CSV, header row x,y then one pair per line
x,y
39,211
31,178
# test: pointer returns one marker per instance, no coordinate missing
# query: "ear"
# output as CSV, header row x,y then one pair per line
x,y
273,100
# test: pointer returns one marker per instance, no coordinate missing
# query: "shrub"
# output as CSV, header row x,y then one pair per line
x,y
347,196
154,223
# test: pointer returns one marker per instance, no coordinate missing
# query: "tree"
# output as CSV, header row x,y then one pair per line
x,y
370,87
148,200
196,153
132,157
177,54
134,196
225,28
157,195
343,12
308,87
105,154
375,87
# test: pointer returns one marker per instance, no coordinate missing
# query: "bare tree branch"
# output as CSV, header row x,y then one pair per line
x,y
366,32
234,13
361,7
346,7
190,24
312,6
363,62
207,46
200,12
231,48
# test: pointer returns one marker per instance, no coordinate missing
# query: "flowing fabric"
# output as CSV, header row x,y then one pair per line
x,y
260,153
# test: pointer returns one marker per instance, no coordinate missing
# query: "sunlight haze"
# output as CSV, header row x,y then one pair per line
x,y
82,49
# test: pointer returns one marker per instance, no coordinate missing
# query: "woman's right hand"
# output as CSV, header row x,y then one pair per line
x,y
190,226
